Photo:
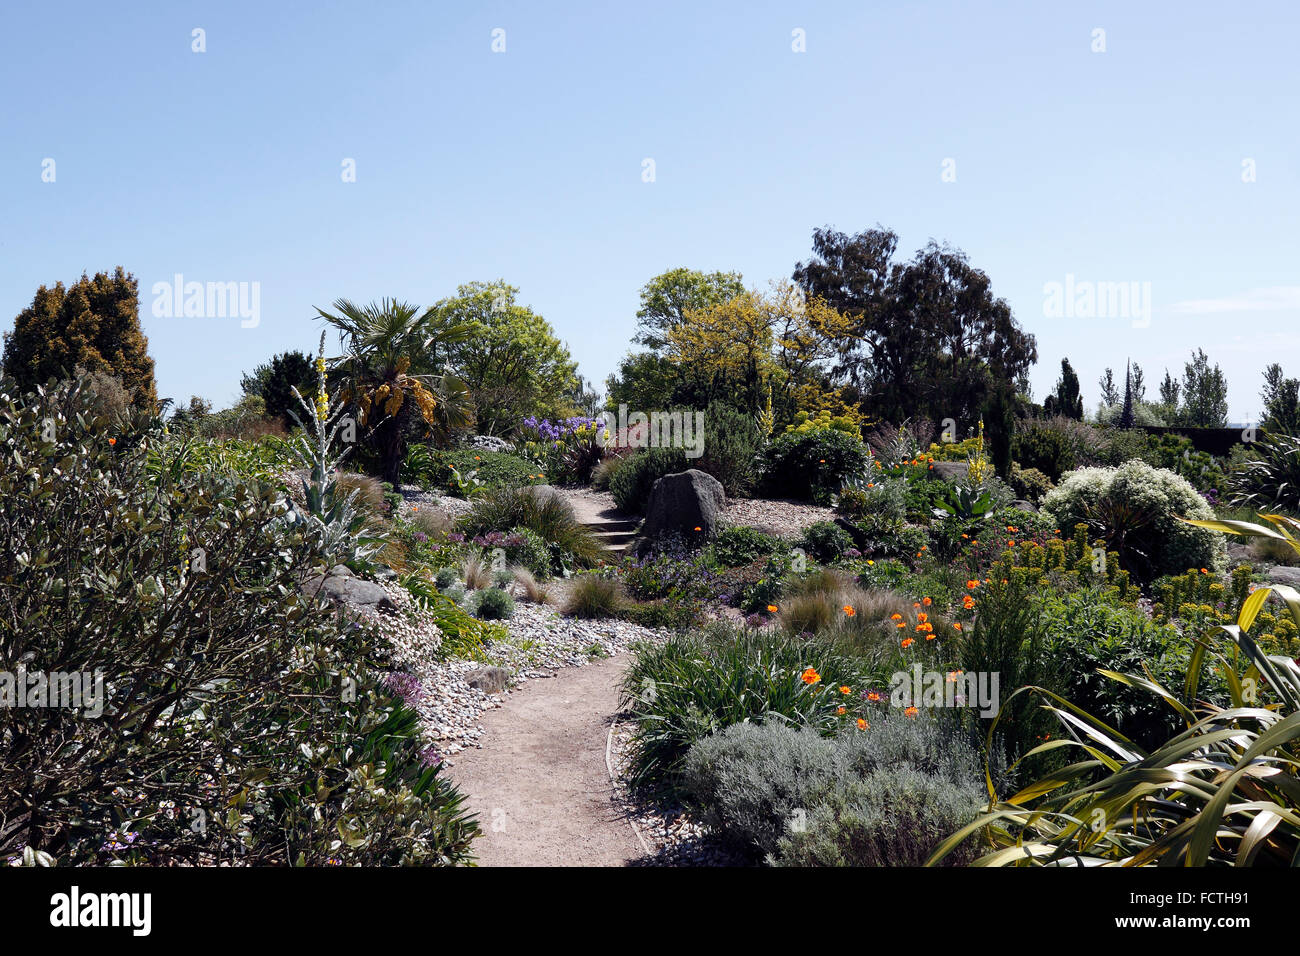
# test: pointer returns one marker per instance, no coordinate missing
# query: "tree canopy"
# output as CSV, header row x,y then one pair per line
x,y
94,324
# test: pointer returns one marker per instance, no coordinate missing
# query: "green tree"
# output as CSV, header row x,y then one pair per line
x,y
1066,399
1205,393
645,381
927,336
274,382
1109,390
388,376
94,324
667,298
509,357
1281,397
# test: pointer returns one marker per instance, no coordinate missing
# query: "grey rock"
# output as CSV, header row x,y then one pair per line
x,y
340,571
1280,574
950,470
490,680
683,502
1021,504
349,590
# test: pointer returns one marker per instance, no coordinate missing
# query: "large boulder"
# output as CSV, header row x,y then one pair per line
x,y
490,680
950,470
688,503
342,587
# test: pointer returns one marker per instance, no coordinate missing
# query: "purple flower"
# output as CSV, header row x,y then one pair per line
x,y
430,758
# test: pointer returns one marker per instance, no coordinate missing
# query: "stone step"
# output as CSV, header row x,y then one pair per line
x,y
613,524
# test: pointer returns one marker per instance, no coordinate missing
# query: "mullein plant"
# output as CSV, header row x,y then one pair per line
x,y
344,529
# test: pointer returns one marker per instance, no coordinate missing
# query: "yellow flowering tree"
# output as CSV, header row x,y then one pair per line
x,y
768,352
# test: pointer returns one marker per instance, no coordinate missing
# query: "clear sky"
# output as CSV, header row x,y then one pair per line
x,y
226,166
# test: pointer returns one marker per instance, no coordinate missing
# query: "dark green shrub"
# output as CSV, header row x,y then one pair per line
x,y
813,466
493,604
826,541
494,468
445,578
180,585
732,443
733,547
1029,484
631,483
1046,449
531,553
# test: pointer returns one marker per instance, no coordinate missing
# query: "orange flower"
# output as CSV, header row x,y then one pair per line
x,y
1011,544
895,617
871,484
845,689
926,601
973,584
848,609
922,617
875,696
862,724
698,528
908,642
112,441
810,676
968,602
1203,571
821,461
840,711
916,604
957,625
911,711
901,624
476,458
771,609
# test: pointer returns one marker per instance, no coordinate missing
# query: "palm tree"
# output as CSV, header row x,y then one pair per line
x,y
388,370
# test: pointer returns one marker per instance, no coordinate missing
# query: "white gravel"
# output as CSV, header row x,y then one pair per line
x,y
539,641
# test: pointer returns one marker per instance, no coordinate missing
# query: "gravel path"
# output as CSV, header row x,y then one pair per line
x,y
540,784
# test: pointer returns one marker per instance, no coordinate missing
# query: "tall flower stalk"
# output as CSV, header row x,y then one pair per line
x,y
334,510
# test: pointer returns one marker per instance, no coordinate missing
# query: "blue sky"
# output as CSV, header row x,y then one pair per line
x,y
1116,166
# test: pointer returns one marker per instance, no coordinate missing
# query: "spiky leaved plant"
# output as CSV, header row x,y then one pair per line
x,y
345,530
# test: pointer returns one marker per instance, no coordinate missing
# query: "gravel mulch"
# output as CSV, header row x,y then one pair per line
x,y
538,643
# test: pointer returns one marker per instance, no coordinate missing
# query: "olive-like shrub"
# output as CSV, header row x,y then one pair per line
x,y
813,466
223,718
1135,509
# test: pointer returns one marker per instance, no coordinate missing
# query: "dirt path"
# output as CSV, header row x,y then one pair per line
x,y
540,784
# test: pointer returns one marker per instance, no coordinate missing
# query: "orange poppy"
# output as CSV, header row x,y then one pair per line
x,y
908,642
849,611
771,609
810,676
862,724
911,711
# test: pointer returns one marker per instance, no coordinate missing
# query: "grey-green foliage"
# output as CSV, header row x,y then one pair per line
x,y
1136,508
791,794
493,604
892,817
